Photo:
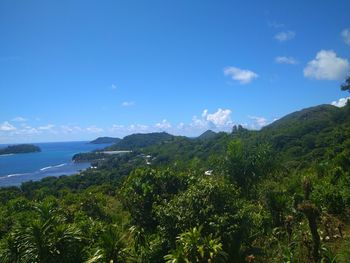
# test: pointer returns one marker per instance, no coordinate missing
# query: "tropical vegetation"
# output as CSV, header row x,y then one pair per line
x,y
281,194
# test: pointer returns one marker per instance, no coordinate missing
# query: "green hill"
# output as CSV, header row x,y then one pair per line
x,y
309,134
141,140
102,140
207,135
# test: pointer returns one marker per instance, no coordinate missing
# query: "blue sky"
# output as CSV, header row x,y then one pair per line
x,y
76,70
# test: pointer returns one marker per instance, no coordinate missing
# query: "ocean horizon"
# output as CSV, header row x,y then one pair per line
x,y
55,159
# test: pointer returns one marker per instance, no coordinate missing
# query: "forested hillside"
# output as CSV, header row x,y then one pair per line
x,y
281,194
138,141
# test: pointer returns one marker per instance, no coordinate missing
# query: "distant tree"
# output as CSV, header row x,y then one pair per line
x,y
346,84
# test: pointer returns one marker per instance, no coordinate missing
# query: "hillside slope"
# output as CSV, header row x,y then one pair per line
x,y
141,140
309,134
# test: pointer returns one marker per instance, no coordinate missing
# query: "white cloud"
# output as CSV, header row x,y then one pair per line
x,y
27,130
341,102
113,86
139,128
327,66
6,126
70,129
19,119
164,125
259,122
286,60
46,127
284,36
219,118
94,129
180,126
198,123
128,103
243,76
346,35
116,127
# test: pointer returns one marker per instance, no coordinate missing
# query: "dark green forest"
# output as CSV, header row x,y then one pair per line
x,y
281,194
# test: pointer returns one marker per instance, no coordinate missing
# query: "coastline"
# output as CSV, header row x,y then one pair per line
x,y
55,159
16,179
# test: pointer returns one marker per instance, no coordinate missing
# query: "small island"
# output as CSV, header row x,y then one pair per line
x,y
19,148
103,140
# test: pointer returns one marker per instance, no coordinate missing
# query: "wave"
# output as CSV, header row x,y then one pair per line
x,y
52,166
60,165
12,175
45,168
7,154
37,172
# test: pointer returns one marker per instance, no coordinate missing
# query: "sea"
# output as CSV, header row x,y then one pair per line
x,y
55,159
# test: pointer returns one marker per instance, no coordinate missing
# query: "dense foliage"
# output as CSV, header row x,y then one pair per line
x,y
281,194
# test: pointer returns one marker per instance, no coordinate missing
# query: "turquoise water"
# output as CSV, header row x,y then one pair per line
x,y
55,159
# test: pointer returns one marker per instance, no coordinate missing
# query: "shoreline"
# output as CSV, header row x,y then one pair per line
x,y
16,179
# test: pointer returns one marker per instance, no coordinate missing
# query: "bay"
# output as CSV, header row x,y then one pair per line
x,y
55,159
